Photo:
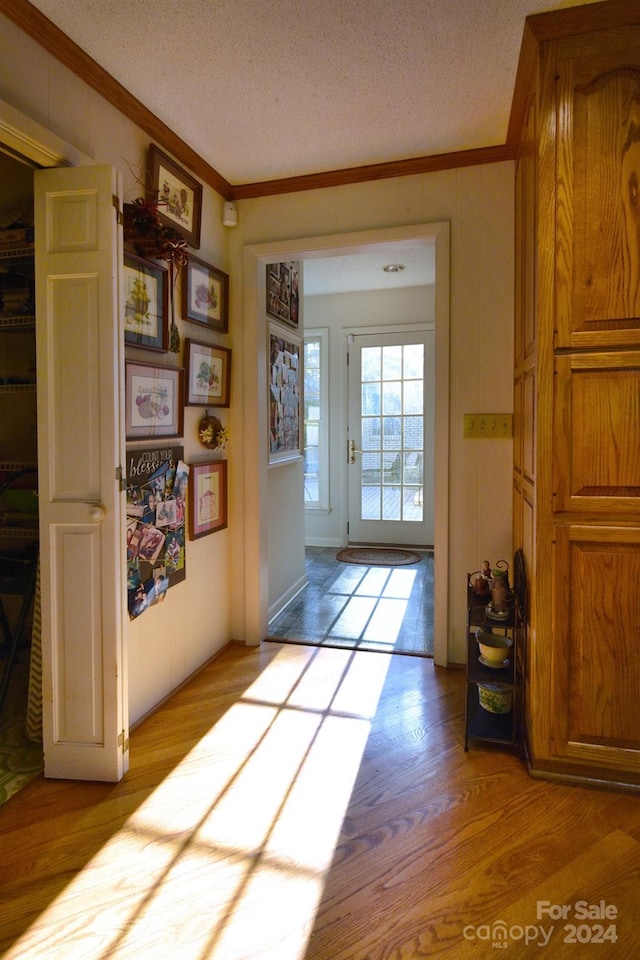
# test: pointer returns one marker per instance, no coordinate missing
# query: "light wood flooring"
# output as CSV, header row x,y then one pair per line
x,y
302,803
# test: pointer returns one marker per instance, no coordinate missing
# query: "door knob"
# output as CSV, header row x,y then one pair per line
x,y
96,512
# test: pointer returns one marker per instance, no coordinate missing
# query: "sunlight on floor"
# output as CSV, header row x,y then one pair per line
x,y
227,858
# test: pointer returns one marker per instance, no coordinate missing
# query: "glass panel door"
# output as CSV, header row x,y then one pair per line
x,y
391,439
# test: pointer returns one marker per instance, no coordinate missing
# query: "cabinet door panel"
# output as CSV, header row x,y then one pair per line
x,y
596,671
597,437
598,262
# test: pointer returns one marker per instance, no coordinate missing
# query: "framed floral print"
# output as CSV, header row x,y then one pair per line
x,y
146,299
153,401
208,374
205,295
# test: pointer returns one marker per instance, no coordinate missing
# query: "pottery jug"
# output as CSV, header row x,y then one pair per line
x,y
501,596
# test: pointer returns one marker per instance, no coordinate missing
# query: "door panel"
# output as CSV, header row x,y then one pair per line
x,y
391,410
80,448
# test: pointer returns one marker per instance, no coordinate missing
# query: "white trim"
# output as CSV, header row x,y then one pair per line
x,y
284,601
321,334
256,415
33,141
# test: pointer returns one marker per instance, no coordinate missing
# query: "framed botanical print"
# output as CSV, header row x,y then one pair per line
x,y
146,298
205,295
153,401
179,195
208,374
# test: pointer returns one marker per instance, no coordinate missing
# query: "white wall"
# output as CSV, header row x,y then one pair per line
x,y
478,203
337,312
168,642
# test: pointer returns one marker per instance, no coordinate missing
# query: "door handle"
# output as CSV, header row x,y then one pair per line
x,y
96,512
352,451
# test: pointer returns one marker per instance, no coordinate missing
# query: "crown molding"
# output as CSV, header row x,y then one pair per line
x,y
377,171
63,48
538,27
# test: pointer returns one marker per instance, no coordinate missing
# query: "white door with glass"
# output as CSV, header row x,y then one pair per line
x,y
390,438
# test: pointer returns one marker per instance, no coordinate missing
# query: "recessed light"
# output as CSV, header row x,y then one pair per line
x,y
394,267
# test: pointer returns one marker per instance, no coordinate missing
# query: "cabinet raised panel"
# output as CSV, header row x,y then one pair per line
x,y
596,676
598,279
597,439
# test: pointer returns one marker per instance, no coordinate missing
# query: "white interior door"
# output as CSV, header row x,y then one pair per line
x,y
391,438
80,450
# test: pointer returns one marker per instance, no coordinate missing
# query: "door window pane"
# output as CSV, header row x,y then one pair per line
x,y
392,475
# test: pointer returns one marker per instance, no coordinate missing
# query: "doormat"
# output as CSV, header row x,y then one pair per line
x,y
378,556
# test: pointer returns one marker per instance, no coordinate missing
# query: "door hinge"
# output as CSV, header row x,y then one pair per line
x,y
116,203
123,742
121,480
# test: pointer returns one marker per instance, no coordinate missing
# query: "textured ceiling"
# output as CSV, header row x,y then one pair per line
x,y
267,90
360,271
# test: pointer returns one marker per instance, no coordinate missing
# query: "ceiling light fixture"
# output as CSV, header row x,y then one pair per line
x,y
394,267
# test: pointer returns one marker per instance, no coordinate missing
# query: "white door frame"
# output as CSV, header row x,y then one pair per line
x,y
255,257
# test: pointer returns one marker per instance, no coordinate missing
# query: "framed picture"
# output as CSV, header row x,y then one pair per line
x,y
157,485
146,299
285,382
178,193
207,498
205,295
283,299
153,401
208,371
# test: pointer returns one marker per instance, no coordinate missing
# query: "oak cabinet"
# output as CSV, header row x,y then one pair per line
x,y
577,389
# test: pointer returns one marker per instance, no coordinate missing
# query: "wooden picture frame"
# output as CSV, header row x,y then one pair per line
x,y
153,401
146,303
285,396
283,296
178,194
208,374
205,295
207,498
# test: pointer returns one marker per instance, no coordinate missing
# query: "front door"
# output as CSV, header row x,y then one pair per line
x,y
391,438
80,450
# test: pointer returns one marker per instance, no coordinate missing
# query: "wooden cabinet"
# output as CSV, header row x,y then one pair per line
x,y
577,389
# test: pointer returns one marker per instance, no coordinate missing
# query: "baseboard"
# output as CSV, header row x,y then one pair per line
x,y
323,542
276,608
185,682
582,777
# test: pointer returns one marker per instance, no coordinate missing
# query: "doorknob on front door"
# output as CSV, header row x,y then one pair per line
x,y
353,451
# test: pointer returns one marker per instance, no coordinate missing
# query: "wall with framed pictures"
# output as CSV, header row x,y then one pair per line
x,y
167,291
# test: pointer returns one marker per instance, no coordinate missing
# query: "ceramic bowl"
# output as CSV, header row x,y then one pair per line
x,y
495,698
494,647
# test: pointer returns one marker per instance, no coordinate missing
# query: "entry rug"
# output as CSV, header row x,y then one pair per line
x,y
20,758
378,556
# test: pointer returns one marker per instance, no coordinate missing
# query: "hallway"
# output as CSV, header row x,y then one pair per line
x,y
354,607
299,803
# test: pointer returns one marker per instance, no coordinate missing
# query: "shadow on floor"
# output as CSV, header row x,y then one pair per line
x,y
383,609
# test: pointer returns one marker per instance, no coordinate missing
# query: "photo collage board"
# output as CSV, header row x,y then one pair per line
x,y
157,485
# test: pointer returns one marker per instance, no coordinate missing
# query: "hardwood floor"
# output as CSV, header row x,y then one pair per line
x,y
298,802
